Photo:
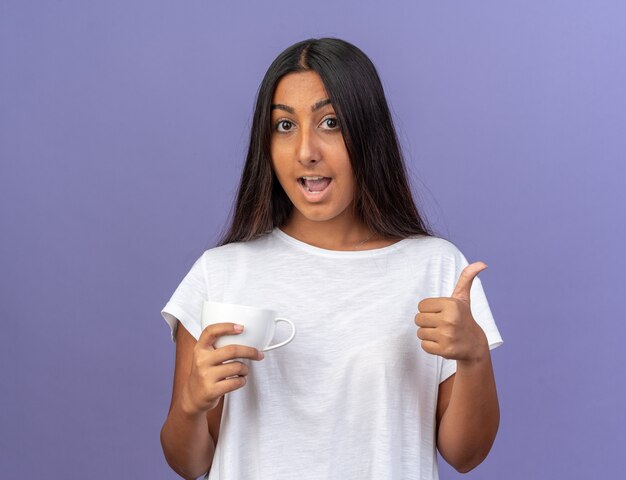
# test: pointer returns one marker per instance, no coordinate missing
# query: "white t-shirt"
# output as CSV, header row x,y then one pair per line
x,y
353,396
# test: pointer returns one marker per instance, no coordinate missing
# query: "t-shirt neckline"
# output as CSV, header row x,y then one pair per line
x,y
277,232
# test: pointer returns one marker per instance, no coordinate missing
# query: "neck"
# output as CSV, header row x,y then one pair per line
x,y
335,234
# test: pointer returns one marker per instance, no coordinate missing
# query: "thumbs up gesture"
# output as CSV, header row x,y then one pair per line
x,y
446,325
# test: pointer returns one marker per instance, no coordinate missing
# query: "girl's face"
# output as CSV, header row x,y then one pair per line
x,y
308,153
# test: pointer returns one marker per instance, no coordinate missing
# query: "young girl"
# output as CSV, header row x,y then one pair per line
x,y
391,358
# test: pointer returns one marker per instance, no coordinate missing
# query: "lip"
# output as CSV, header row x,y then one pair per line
x,y
315,197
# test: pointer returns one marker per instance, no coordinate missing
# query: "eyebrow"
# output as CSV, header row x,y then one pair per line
x,y
291,110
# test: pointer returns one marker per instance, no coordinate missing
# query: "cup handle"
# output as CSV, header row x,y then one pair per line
x,y
293,334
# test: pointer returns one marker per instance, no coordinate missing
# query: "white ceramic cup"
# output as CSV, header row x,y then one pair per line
x,y
259,325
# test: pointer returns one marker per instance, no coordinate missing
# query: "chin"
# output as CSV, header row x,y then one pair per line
x,y
319,214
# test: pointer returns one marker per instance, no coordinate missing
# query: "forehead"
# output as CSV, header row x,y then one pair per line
x,y
300,89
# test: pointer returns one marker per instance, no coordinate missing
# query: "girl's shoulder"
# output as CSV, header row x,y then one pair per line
x,y
435,251
432,244
268,245
234,250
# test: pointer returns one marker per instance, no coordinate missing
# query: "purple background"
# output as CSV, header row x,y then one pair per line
x,y
123,127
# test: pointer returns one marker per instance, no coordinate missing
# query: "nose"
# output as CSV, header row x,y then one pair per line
x,y
308,152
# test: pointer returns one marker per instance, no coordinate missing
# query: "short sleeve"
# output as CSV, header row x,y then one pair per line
x,y
185,304
480,311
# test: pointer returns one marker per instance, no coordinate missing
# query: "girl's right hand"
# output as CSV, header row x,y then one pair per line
x,y
210,378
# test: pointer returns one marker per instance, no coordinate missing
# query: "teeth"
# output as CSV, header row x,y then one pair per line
x,y
311,178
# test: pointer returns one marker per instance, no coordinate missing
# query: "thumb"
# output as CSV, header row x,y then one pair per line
x,y
463,286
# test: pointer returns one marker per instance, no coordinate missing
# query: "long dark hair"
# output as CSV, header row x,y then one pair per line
x,y
382,195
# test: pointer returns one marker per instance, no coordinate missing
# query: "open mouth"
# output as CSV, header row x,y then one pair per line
x,y
314,185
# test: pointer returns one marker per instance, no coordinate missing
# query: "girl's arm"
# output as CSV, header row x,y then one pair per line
x,y
185,438
468,413
201,378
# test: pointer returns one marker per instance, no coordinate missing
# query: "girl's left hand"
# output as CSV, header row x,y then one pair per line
x,y
446,325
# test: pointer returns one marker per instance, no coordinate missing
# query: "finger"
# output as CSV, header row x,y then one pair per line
x,y
430,334
212,332
431,305
230,369
463,286
431,347
230,352
229,385
427,319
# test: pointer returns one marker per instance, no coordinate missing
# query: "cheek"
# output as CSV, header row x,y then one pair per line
x,y
282,180
349,184
349,194
284,177
278,165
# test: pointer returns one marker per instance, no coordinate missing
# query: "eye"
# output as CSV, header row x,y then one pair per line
x,y
284,125
331,123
